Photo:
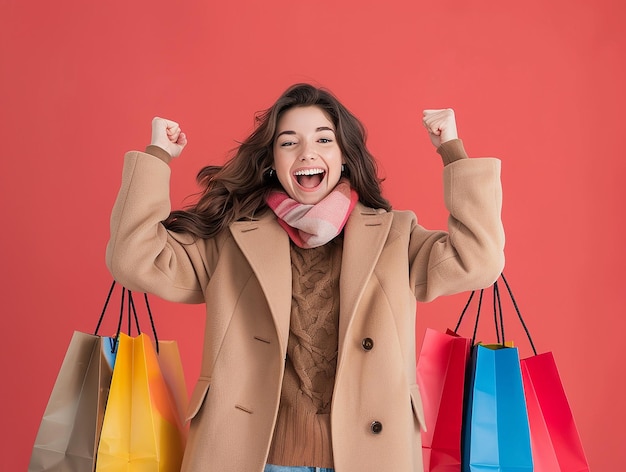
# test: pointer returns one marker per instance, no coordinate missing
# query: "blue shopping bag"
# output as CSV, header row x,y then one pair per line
x,y
496,434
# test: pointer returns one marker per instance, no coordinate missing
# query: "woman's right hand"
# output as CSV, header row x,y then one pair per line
x,y
167,135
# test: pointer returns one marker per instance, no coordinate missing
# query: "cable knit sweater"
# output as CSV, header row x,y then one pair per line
x,y
302,434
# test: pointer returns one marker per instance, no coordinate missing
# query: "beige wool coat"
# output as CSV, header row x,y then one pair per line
x,y
244,276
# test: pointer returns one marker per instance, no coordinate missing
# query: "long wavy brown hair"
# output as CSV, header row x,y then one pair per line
x,y
237,190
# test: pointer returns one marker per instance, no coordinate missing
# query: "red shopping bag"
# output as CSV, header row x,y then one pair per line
x,y
556,444
553,433
441,377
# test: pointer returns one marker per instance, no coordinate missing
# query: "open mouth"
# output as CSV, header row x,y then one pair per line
x,y
309,178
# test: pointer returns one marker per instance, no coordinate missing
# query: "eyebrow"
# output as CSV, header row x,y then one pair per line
x,y
321,128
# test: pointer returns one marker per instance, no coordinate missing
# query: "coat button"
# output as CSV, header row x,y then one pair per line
x,y
376,427
367,343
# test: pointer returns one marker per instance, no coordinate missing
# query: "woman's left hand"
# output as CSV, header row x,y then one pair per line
x,y
441,125
167,135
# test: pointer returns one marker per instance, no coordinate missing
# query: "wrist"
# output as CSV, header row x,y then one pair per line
x,y
451,151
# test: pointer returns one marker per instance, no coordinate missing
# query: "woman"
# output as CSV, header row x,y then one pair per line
x,y
310,282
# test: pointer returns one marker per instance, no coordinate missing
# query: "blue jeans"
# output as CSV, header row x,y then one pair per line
x,y
287,468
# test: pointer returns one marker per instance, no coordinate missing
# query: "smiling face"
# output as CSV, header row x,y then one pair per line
x,y
307,157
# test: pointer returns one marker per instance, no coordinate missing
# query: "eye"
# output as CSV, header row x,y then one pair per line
x,y
325,140
287,143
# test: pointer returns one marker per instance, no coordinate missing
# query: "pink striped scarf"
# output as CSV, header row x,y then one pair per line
x,y
311,226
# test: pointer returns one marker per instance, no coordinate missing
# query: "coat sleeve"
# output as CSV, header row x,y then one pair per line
x,y
470,255
141,254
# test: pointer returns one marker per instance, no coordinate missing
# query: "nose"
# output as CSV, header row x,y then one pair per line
x,y
308,153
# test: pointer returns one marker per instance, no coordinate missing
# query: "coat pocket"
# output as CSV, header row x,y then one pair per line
x,y
416,403
197,397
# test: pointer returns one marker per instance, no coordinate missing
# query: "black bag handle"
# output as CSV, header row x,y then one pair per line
x,y
519,314
480,302
478,310
131,310
497,313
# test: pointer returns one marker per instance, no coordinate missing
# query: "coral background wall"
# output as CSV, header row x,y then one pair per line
x,y
538,84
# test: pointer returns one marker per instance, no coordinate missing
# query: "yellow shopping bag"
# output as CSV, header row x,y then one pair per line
x,y
143,429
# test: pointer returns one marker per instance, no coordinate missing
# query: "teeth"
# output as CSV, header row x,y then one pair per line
x,y
309,172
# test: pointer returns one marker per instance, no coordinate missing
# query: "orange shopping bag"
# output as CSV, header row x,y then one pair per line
x,y
143,426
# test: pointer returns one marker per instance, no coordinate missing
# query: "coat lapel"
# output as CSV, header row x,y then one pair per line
x,y
266,247
364,236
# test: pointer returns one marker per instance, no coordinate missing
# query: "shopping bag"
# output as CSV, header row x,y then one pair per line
x,y
496,433
172,369
554,437
556,444
68,433
143,427
441,369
